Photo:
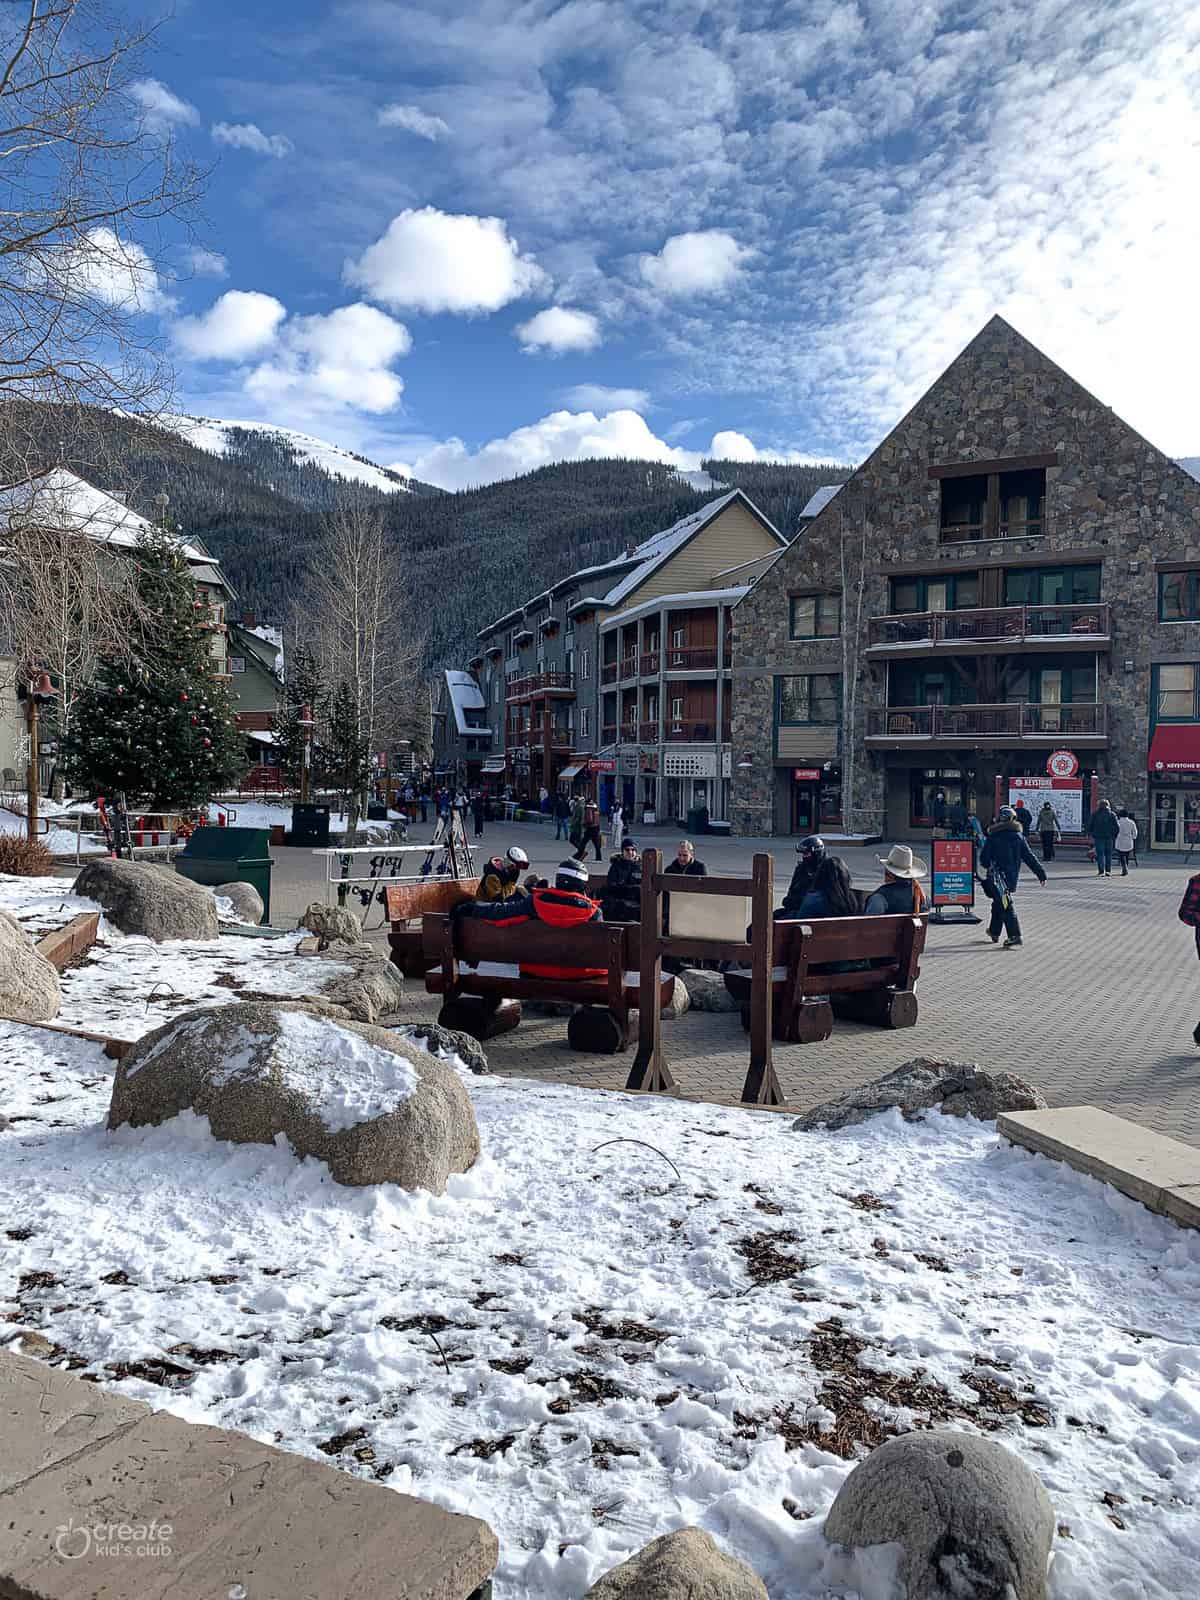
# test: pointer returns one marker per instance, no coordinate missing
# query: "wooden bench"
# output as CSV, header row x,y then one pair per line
x,y
805,1000
407,903
476,967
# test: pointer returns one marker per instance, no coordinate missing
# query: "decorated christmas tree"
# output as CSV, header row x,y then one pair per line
x,y
158,725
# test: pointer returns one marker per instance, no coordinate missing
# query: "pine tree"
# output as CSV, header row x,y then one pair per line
x,y
304,686
159,727
346,747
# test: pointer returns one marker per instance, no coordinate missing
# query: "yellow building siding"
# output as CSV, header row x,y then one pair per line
x,y
733,536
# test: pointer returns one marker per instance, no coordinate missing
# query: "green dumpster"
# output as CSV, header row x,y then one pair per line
x,y
229,855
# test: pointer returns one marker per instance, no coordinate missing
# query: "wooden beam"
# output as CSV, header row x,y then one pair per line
x,y
61,946
978,469
649,1070
762,1086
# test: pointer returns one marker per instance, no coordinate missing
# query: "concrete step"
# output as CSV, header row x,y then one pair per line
x,y
1162,1173
103,1499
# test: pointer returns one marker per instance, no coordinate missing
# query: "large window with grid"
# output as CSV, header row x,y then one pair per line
x,y
1179,596
816,616
807,698
1176,692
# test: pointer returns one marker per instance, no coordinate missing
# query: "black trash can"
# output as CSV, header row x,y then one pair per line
x,y
376,811
310,826
229,855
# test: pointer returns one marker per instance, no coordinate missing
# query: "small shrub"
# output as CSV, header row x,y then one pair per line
x,y
24,858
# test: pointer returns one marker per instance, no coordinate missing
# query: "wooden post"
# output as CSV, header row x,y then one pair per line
x,y
761,1086
649,1070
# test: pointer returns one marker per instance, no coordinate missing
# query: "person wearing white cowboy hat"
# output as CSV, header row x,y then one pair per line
x,y
900,893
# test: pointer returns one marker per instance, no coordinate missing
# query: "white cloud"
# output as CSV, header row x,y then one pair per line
x,y
240,324
207,263
431,260
103,267
695,263
559,329
562,436
334,362
598,397
729,445
161,109
248,136
413,120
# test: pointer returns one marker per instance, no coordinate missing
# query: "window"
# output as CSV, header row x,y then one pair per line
x,y
677,709
570,662
585,723
585,663
678,638
816,616
957,593
1179,596
993,505
237,663
809,698
1175,692
1052,586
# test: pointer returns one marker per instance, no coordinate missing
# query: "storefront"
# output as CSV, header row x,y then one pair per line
x,y
1174,770
816,799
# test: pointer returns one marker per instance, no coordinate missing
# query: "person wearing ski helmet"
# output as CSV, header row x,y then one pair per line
x,y
811,853
501,874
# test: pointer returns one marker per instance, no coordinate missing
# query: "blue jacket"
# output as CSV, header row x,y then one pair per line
x,y
1006,850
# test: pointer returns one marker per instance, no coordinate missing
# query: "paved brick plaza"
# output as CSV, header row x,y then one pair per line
x,y
1098,1006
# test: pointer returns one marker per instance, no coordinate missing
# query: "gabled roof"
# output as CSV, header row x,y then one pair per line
x,y
465,695
819,499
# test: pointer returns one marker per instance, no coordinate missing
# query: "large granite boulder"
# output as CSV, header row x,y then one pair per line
x,y
686,1565
447,1042
376,1107
244,898
140,897
707,991
372,988
961,1088
973,1520
29,987
332,924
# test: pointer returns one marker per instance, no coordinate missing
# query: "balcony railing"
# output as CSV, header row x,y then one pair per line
x,y
651,660
541,683
629,667
1006,624
701,659
648,732
1011,720
608,733
561,737
609,672
1005,528
694,732
629,732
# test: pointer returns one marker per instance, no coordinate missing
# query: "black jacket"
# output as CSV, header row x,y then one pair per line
x,y
622,899
1006,851
802,881
694,868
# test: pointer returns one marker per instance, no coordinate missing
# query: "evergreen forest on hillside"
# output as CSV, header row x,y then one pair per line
x,y
467,556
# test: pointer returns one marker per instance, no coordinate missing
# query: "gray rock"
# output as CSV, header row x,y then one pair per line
x,y
707,991
247,902
686,1565
331,923
140,897
678,1002
374,1106
974,1522
371,990
29,986
961,1088
448,1041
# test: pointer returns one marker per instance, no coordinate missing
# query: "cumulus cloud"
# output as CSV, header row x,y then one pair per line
x,y
413,120
430,260
240,324
561,436
249,136
207,263
729,445
599,397
333,362
102,267
559,329
695,263
161,109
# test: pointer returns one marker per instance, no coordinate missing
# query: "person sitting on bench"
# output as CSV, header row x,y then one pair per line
x,y
899,893
498,880
563,906
811,852
622,899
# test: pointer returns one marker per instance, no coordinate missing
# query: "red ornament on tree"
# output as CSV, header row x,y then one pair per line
x,y
183,694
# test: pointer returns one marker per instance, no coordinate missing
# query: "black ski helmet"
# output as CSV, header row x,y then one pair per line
x,y
812,848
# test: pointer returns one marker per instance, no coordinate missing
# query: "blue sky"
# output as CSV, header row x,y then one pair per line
x,y
473,237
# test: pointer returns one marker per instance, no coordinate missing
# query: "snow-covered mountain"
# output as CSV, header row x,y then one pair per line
x,y
219,437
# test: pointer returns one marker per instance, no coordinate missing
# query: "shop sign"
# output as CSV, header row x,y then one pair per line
x,y
602,764
1064,794
1062,764
953,872
806,774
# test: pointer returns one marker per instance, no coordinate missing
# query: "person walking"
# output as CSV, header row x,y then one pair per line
x,y
939,810
562,814
1102,825
1024,816
1002,857
591,831
1127,837
1189,915
1047,826
478,807
617,822
424,803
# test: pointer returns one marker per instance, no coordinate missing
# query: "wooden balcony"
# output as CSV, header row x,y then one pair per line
x,y
629,668
694,733
541,683
1013,723
609,672
991,631
702,659
648,732
629,732
561,737
608,733
650,663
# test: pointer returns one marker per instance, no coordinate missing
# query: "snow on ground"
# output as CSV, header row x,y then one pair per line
x,y
126,985
213,434
589,1343
59,841
262,813
41,905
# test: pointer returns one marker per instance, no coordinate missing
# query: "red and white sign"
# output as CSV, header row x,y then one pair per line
x,y
1062,764
1065,796
806,774
602,764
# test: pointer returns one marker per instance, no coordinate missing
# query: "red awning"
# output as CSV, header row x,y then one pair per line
x,y
1175,747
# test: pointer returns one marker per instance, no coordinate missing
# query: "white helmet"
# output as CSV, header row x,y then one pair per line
x,y
517,856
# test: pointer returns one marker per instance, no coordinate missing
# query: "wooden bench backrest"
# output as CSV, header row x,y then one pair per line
x,y
405,901
858,938
524,942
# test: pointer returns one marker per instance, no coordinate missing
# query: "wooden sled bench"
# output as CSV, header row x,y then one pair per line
x,y
406,904
476,968
805,1001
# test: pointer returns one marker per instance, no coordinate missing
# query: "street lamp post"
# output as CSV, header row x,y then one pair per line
x,y
35,691
306,722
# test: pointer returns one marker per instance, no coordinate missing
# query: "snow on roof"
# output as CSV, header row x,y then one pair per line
x,y
820,499
465,695
654,551
271,636
1191,464
64,500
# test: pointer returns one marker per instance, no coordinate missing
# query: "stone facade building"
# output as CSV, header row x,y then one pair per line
x,y
1013,572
